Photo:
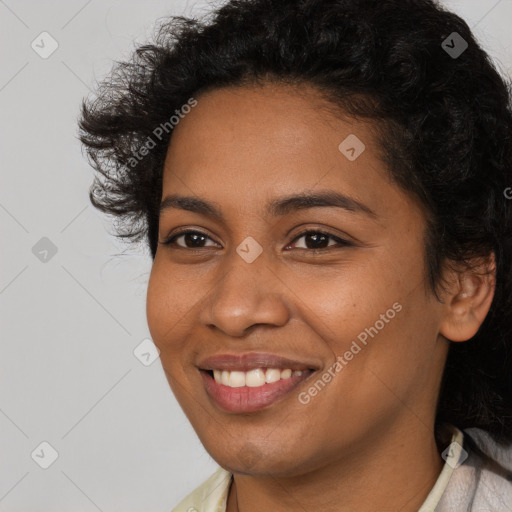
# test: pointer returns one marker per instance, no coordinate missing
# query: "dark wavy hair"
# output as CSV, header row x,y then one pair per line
x,y
444,124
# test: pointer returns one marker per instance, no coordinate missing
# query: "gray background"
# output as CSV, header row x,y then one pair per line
x,y
72,320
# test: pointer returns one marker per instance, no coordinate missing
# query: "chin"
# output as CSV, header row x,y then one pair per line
x,y
250,460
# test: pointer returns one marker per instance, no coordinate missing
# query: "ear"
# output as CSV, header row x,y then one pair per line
x,y
468,299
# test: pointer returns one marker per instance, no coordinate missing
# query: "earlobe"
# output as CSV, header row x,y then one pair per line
x,y
469,300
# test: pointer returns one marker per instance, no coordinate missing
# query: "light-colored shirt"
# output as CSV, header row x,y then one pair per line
x,y
467,482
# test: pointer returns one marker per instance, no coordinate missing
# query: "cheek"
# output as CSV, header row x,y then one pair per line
x,y
387,348
170,303
157,306
345,300
374,313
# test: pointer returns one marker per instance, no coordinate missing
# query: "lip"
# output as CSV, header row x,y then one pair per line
x,y
247,399
250,399
251,360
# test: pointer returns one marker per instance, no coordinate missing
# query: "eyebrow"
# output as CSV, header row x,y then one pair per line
x,y
277,207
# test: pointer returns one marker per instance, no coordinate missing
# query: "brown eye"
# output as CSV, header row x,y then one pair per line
x,y
192,239
317,240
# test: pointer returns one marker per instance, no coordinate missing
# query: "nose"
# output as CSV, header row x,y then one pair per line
x,y
246,294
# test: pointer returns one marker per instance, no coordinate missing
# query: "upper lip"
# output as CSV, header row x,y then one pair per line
x,y
250,361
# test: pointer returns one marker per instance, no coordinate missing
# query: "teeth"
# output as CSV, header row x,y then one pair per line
x,y
253,378
236,379
286,374
272,375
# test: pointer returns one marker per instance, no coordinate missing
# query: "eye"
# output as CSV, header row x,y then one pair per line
x,y
318,240
313,239
194,237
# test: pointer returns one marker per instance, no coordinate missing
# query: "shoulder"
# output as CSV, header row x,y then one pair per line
x,y
491,465
210,496
483,481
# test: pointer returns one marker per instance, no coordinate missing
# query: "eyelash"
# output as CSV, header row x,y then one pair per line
x,y
343,243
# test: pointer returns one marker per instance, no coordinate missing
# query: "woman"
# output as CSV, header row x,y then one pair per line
x,y
323,189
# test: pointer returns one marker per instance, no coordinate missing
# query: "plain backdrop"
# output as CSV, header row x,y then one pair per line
x,y
74,396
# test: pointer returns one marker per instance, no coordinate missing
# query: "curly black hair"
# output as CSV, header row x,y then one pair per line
x,y
445,134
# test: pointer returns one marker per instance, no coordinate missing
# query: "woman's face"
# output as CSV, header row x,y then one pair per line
x,y
345,303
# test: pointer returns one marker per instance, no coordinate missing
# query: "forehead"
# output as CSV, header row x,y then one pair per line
x,y
245,145
271,127
242,149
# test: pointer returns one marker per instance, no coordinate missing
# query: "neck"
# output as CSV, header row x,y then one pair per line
x,y
395,472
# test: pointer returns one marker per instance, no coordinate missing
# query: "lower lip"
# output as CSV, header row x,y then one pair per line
x,y
247,399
